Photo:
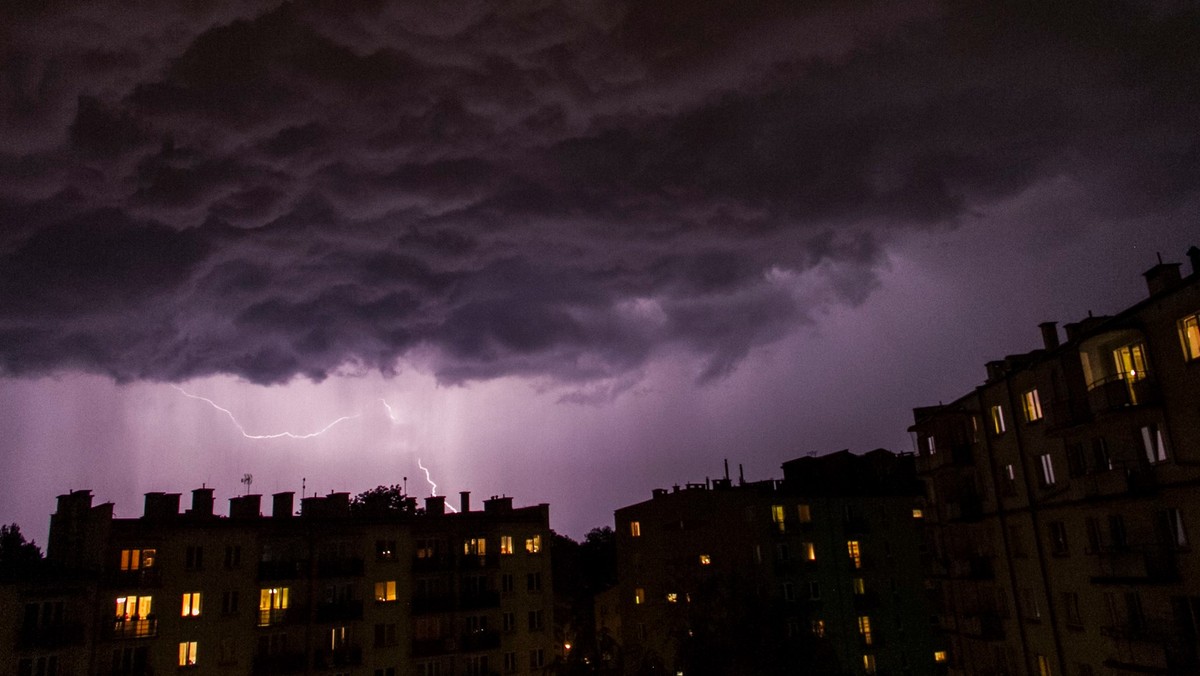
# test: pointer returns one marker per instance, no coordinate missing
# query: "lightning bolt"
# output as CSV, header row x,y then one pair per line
x,y
278,435
392,415
433,486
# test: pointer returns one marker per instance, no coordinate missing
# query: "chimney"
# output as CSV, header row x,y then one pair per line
x,y
1193,255
202,502
464,501
245,507
161,505
435,504
281,505
1162,277
1049,334
497,505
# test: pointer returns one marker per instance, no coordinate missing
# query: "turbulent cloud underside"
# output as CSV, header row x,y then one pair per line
x,y
559,190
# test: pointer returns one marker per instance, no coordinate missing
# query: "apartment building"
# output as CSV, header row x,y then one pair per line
x,y
335,589
818,573
1063,497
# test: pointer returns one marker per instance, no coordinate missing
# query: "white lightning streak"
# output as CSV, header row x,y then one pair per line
x,y
392,415
433,486
278,435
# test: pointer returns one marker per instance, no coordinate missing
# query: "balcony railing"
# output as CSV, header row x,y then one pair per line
x,y
1122,391
480,640
280,663
145,577
345,656
479,600
282,570
136,628
442,603
340,611
276,616
347,567
51,637
433,647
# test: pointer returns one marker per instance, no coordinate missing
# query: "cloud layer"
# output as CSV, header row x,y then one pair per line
x,y
558,190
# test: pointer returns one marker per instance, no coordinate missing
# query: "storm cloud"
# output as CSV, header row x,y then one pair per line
x,y
542,189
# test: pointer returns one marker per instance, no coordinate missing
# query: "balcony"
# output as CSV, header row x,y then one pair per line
x,y
479,640
280,663
963,454
440,603
51,637
479,600
1120,391
137,628
1060,414
282,570
276,616
347,567
432,564
145,577
340,611
345,656
434,647
474,561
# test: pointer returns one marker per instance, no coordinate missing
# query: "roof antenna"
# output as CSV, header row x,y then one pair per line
x,y
1159,254
741,475
727,469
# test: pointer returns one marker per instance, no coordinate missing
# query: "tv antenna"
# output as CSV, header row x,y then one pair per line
x,y
247,479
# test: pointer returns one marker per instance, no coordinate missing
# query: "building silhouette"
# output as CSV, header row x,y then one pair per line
x,y
367,588
1063,497
818,573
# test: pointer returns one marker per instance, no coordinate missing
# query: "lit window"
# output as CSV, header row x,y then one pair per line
x,y
191,604
864,628
1032,405
860,586
1189,336
635,529
1047,469
855,553
1010,472
805,513
808,551
137,559
1152,442
187,654
385,591
974,429
1043,666
672,597
272,605
869,664
777,516
705,560
426,549
918,513
339,637
930,445
997,419
533,545
133,608
506,544
818,628
939,656
639,596
475,546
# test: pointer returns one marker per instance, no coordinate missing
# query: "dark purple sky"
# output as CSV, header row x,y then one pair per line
x,y
563,251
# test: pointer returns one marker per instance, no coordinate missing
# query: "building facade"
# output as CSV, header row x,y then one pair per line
x,y
335,589
818,573
1061,494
